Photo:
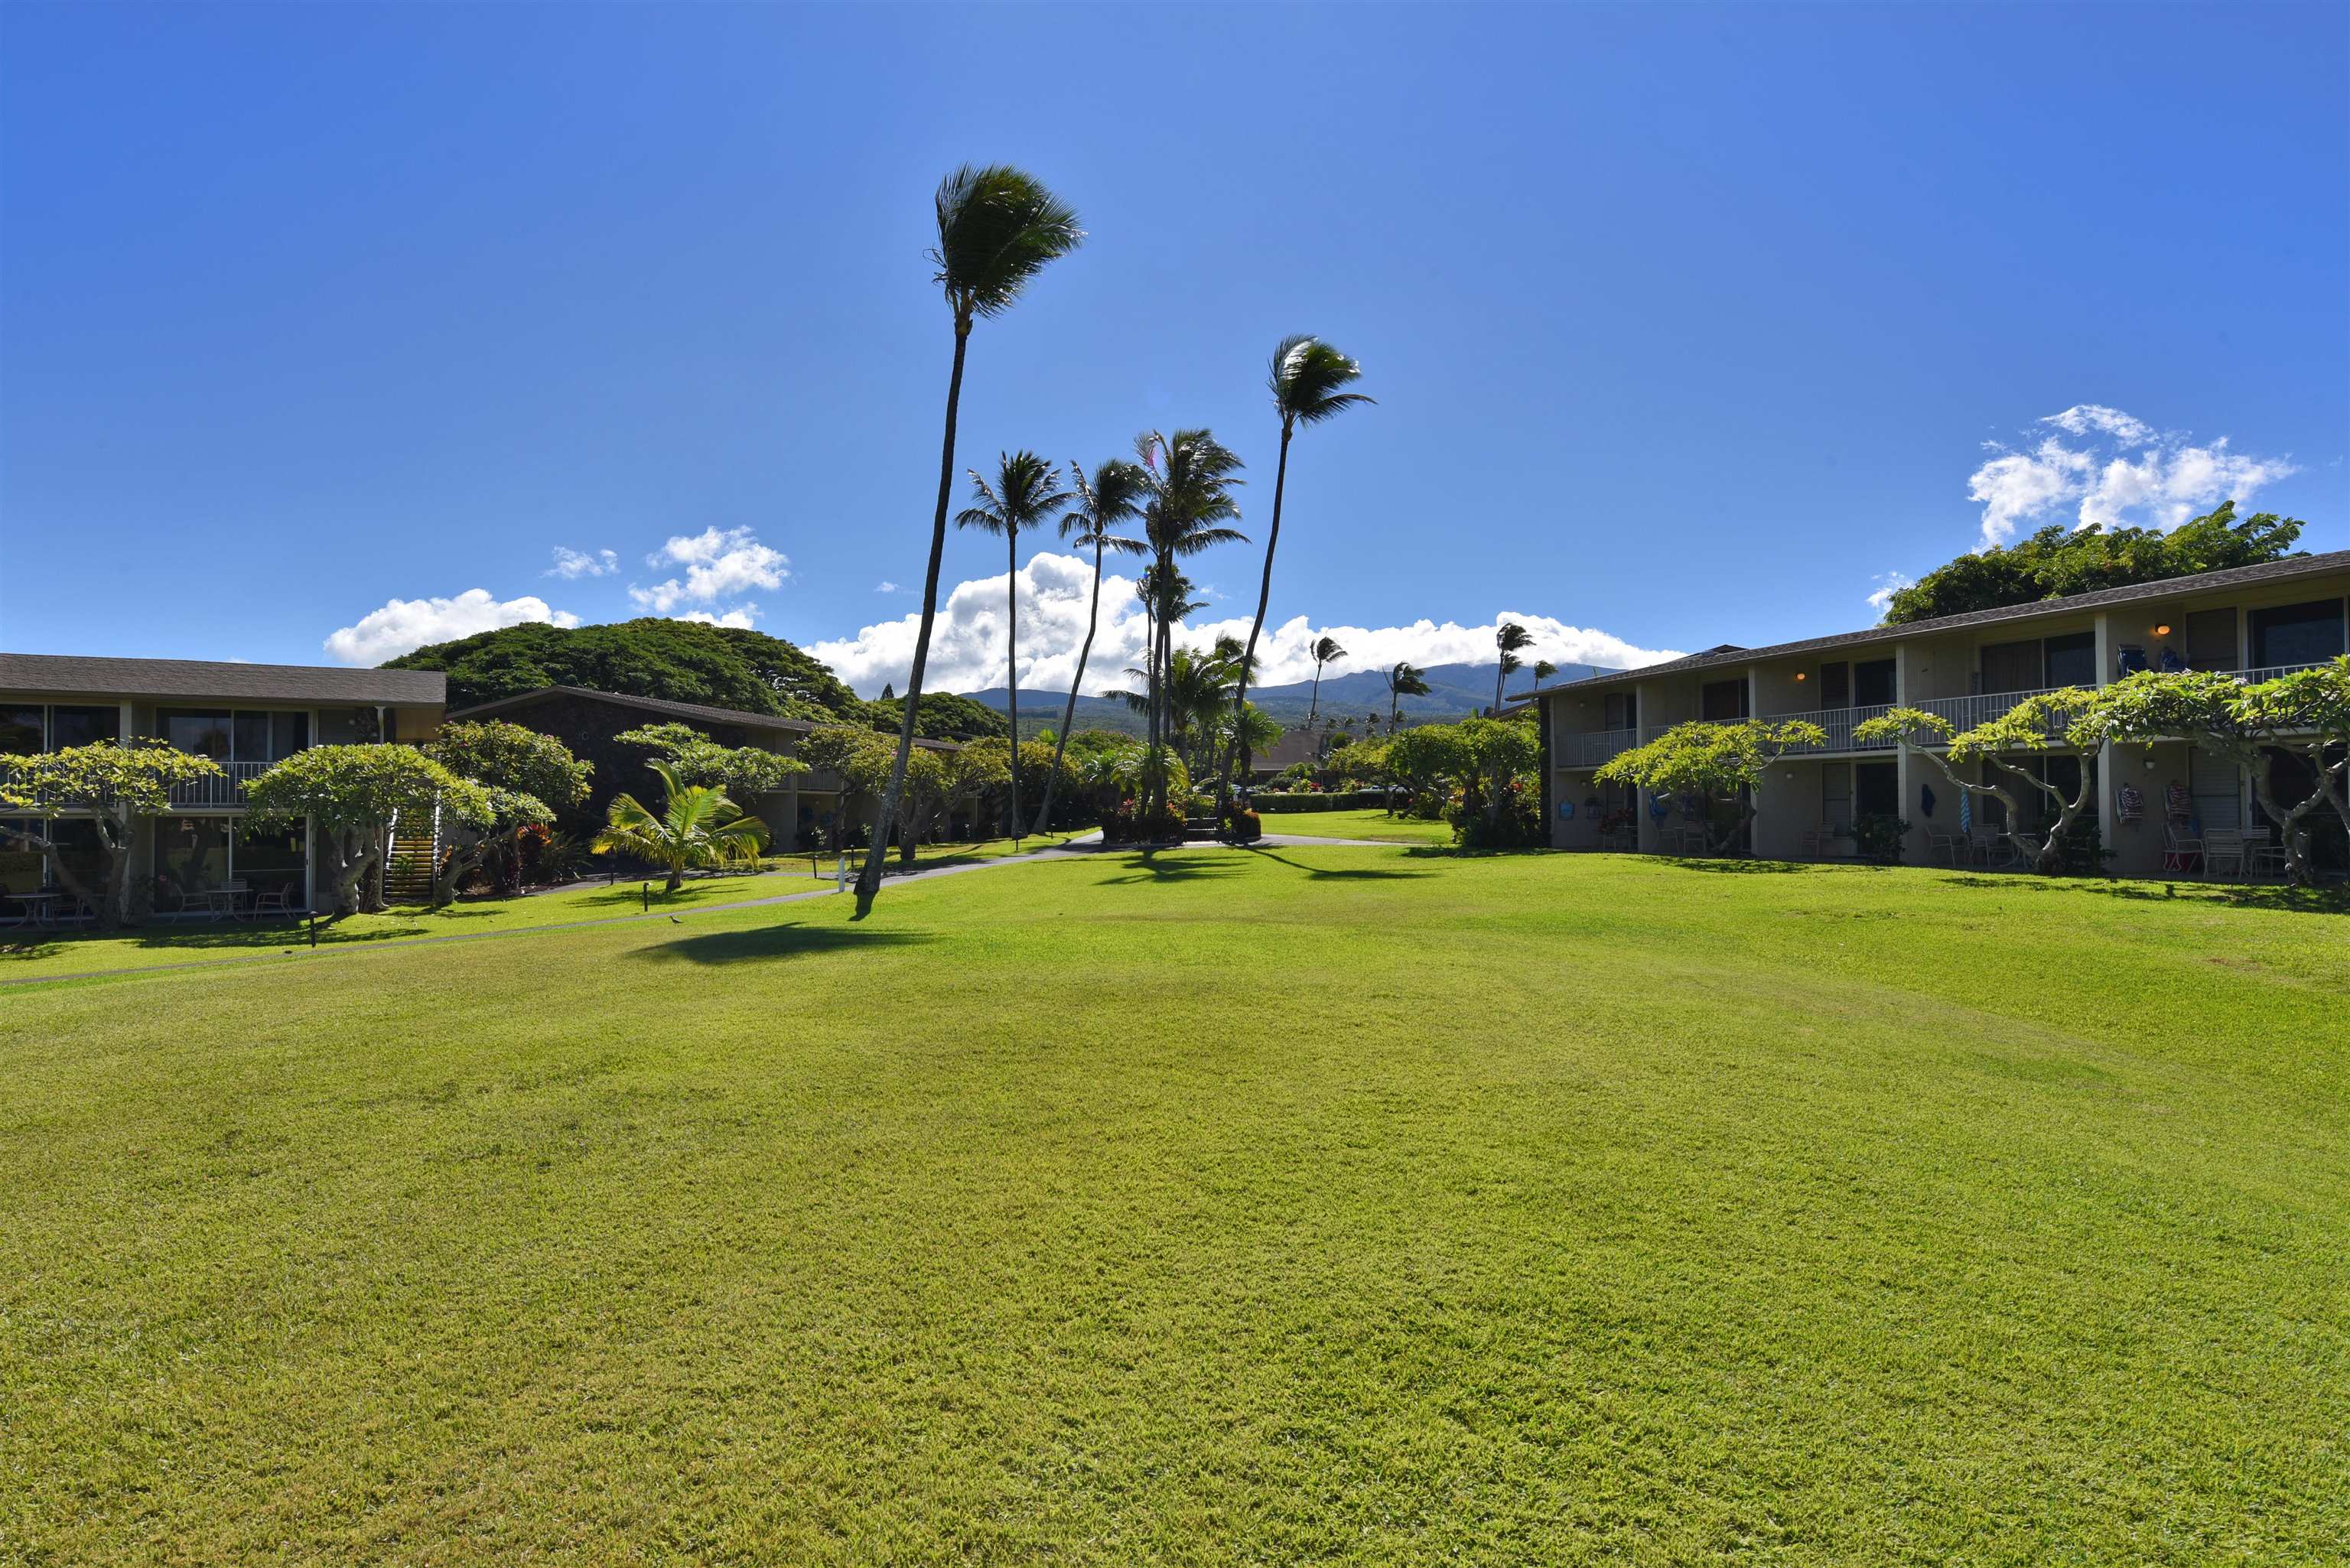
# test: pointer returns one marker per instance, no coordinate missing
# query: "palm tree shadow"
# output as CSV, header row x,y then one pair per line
x,y
2333,900
788,940
1351,874
1147,867
1728,867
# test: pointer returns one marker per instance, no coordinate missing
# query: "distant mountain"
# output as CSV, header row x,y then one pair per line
x,y
1455,692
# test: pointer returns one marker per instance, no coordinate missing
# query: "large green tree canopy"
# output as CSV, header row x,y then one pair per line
x,y
684,661
2057,561
943,717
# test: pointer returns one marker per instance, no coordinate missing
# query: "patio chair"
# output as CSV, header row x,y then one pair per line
x,y
1814,844
2223,853
1954,846
2263,855
2181,852
277,901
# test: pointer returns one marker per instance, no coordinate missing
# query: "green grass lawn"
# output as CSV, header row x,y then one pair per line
x,y
34,953
1366,824
1344,1205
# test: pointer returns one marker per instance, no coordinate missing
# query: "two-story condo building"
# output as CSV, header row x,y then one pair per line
x,y
243,716
2256,621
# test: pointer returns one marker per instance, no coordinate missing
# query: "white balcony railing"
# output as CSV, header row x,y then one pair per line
x,y
1593,747
224,788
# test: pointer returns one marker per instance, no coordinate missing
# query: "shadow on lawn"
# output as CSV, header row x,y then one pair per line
x,y
1147,865
2292,900
1322,874
229,939
1727,868
787,941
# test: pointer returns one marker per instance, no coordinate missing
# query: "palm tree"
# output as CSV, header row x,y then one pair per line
x,y
1026,491
1509,637
697,826
1113,496
1543,671
998,228
1192,476
1325,652
1405,680
1307,382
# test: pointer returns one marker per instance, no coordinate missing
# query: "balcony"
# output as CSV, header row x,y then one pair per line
x,y
223,789
1593,747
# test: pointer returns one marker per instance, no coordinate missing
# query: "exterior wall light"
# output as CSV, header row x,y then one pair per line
x,y
1801,676
2162,632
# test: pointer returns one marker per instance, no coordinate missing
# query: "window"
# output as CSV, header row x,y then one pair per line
x,y
2070,660
2011,666
272,862
288,734
21,869
20,731
1723,700
83,726
2297,634
1876,788
1835,685
1621,710
190,853
2211,640
1872,683
203,734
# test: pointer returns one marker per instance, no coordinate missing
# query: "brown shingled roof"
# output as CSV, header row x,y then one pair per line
x,y
70,675
2167,587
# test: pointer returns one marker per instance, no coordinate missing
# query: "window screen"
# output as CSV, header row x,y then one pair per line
x,y
2071,660
2296,634
2211,640
2011,666
1872,683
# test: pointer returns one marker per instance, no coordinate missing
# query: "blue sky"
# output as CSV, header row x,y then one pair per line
x,y
329,326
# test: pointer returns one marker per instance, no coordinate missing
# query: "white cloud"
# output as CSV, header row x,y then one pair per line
x,y
967,645
572,563
739,617
403,625
885,587
1887,584
2114,471
719,563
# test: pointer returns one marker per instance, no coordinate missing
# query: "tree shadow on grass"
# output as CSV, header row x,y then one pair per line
x,y
2335,900
1729,868
788,940
1147,865
222,938
1352,874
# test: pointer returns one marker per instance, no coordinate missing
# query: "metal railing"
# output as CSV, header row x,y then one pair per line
x,y
225,788
1593,747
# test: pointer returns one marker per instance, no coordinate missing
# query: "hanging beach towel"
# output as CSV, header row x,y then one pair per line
x,y
1566,811
1966,812
1660,807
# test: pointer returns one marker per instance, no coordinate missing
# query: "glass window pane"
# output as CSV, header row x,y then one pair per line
x,y
2071,661
21,869
2297,634
20,731
1872,683
2211,640
205,735
83,726
270,862
288,734
2011,666
191,857
251,738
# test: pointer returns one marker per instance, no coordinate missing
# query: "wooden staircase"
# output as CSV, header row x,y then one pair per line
x,y
415,851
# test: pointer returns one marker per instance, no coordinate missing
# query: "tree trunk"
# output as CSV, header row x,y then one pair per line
x,y
1314,706
1069,715
868,878
1012,692
676,879
1239,759
2288,821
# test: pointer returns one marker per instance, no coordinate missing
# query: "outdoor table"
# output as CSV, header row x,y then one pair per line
x,y
35,908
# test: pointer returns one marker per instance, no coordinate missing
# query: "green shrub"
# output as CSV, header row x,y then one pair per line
x,y
1878,838
1316,800
1242,825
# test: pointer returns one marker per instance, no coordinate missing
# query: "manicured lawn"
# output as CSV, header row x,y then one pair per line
x,y
30,953
1343,1205
1369,823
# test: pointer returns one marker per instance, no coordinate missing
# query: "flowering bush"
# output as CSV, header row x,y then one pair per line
x,y
1243,826
1130,824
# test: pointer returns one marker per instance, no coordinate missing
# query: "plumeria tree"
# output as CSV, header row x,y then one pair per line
x,y
1921,733
2307,714
114,789
350,793
741,770
530,776
2077,719
1713,761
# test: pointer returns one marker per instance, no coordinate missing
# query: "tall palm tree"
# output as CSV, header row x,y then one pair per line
x,y
1112,496
1325,652
1028,491
697,826
1308,384
1510,637
1405,680
998,228
1192,476
1543,671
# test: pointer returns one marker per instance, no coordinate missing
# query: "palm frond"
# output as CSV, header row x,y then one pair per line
x,y
1307,378
998,227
